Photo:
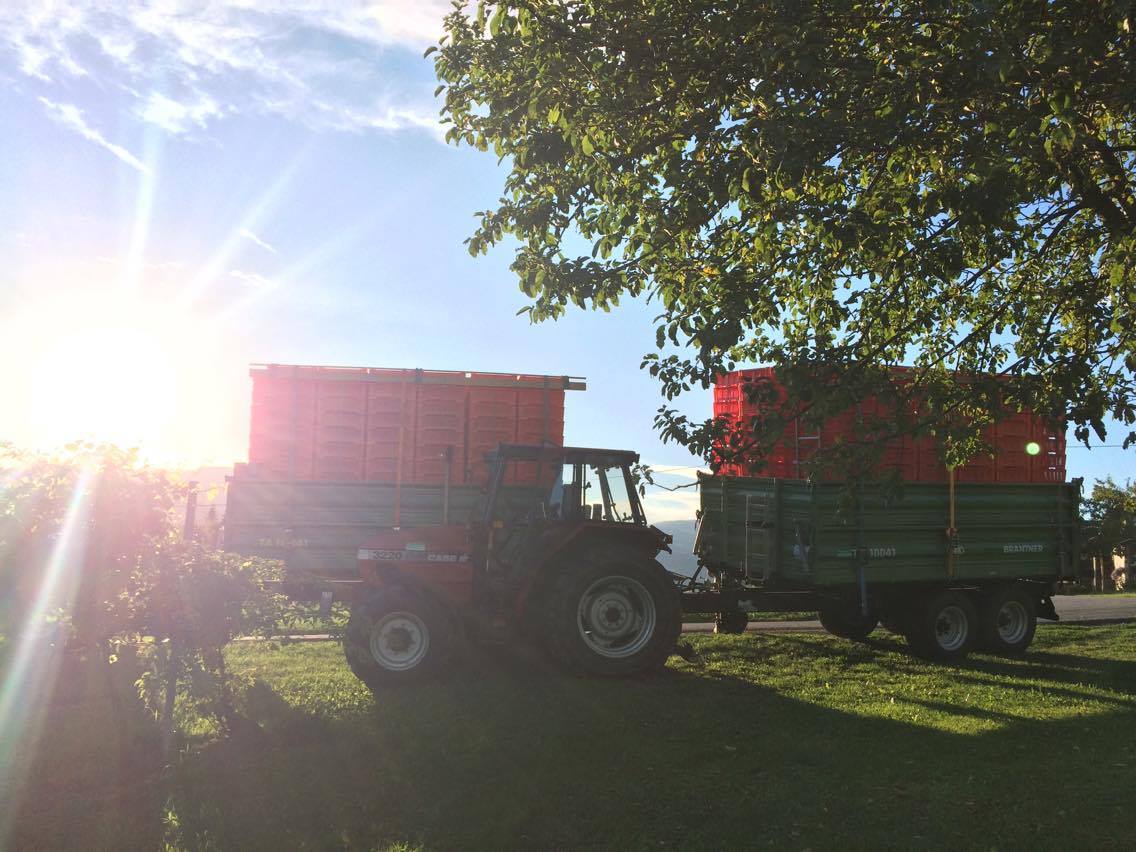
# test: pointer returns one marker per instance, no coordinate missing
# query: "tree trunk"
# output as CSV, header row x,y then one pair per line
x,y
227,710
173,670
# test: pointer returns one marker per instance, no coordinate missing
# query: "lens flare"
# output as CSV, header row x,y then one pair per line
x,y
27,680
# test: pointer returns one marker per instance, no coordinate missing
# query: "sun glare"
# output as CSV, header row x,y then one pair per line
x,y
115,383
123,371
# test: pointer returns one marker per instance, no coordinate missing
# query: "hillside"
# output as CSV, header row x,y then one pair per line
x,y
681,560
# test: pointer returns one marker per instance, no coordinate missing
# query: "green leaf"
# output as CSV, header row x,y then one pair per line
x,y
497,20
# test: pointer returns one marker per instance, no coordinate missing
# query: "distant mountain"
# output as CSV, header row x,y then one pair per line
x,y
681,560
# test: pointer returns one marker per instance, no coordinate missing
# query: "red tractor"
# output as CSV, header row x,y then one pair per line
x,y
572,566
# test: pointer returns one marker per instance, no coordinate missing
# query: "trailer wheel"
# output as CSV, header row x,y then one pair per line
x,y
943,626
612,618
731,621
396,636
1008,621
847,622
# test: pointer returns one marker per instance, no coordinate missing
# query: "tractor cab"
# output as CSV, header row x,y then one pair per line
x,y
577,483
586,497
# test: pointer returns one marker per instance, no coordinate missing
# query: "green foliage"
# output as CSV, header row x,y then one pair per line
x,y
99,512
204,597
188,603
1111,515
831,188
92,538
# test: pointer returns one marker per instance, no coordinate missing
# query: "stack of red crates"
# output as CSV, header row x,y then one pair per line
x,y
916,460
384,425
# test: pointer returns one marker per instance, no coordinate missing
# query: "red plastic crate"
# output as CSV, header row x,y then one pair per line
x,y
915,460
390,425
390,432
282,433
440,426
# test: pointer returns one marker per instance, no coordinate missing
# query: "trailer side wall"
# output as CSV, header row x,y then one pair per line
x,y
316,528
793,533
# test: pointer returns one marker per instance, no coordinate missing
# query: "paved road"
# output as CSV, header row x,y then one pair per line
x,y
1085,609
1073,609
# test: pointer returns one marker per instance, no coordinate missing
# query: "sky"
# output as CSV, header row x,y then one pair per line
x,y
188,188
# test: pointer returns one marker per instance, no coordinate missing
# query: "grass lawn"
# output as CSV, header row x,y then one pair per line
x,y
305,619
782,741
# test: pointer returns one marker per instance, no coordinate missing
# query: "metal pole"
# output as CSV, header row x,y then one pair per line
x,y
952,532
449,457
398,458
190,528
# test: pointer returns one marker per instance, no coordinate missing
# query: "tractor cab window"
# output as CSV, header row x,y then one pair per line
x,y
593,493
616,506
564,500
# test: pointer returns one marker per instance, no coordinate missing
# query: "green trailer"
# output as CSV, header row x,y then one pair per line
x,y
951,567
315,528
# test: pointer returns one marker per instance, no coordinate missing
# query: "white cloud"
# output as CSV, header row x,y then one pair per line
x,y
670,505
71,116
255,240
328,64
175,116
253,279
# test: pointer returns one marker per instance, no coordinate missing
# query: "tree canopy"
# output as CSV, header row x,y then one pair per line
x,y
831,188
1111,515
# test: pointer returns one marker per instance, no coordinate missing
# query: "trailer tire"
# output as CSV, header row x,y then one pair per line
x,y
1008,620
612,617
731,621
847,622
943,626
395,636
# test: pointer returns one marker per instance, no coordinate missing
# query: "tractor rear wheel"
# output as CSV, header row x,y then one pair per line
x,y
395,636
612,616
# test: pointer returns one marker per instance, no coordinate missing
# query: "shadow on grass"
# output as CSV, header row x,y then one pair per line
x,y
1052,669
84,773
507,754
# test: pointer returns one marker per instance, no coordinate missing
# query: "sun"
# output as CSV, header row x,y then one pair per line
x,y
104,366
115,382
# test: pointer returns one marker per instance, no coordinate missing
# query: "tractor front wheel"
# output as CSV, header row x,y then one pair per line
x,y
613,618
394,636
